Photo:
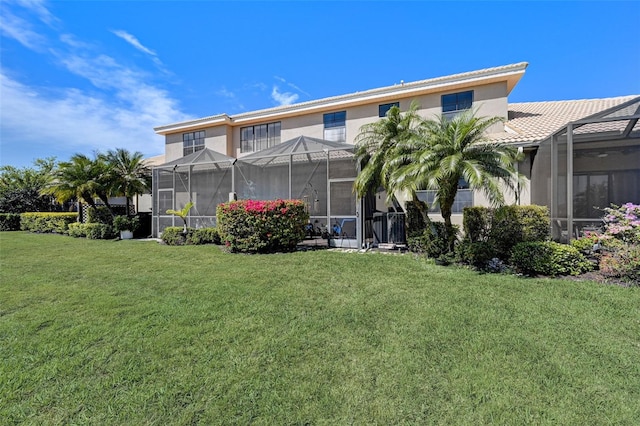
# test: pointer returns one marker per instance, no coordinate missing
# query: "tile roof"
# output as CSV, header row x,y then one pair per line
x,y
535,121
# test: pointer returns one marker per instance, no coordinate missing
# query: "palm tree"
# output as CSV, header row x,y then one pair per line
x,y
80,177
379,142
129,175
447,150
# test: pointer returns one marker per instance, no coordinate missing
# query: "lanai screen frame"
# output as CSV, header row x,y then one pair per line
x,y
181,173
340,222
560,147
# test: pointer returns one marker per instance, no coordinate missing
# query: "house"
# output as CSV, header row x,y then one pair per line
x,y
305,151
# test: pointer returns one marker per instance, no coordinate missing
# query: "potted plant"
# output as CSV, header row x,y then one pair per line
x,y
125,225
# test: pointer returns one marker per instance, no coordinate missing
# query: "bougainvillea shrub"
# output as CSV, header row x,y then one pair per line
x,y
258,226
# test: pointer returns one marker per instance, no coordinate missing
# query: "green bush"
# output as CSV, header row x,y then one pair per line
x,y
77,230
475,253
204,236
511,225
434,241
548,258
125,223
47,222
174,235
623,263
251,226
99,231
476,223
417,219
100,214
9,222
585,244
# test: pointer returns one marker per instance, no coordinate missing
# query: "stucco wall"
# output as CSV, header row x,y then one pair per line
x,y
215,138
490,100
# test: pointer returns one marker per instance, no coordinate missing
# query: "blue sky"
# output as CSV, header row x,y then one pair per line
x,y
86,76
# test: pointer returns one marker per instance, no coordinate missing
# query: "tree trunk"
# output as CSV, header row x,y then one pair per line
x,y
446,204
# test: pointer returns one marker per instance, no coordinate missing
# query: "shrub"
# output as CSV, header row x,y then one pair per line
x,y
417,219
175,236
47,222
623,222
623,263
476,222
251,226
475,253
99,231
204,236
9,222
434,241
100,214
548,258
511,225
77,230
125,223
585,245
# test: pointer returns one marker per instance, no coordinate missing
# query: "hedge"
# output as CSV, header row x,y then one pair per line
x,y
252,226
549,258
175,236
9,222
47,222
505,226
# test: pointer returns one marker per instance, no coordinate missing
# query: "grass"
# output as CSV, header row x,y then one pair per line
x,y
130,332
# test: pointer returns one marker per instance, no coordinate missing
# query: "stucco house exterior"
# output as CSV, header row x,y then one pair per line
x,y
305,150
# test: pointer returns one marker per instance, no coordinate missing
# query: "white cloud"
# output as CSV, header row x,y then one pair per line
x,y
38,7
119,109
225,93
20,30
132,40
80,122
293,86
286,98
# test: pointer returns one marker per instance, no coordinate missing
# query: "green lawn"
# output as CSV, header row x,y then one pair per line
x,y
130,332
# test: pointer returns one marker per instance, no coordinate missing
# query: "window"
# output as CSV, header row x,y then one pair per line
x,y
334,126
192,142
259,137
382,109
455,102
464,198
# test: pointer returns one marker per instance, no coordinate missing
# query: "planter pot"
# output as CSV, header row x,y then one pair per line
x,y
126,235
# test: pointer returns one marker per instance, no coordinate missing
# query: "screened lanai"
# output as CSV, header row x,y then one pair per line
x,y
319,172
586,166
204,177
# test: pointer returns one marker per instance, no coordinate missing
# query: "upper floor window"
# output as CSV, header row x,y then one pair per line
x,y
335,126
259,137
455,102
464,198
192,142
384,108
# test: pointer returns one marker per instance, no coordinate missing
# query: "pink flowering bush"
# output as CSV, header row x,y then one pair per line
x,y
259,226
620,257
623,222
